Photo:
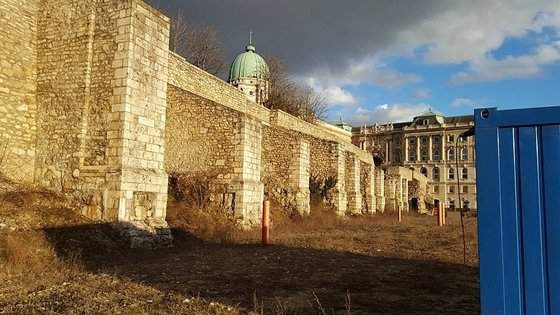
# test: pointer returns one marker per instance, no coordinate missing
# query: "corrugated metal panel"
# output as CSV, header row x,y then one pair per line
x,y
518,171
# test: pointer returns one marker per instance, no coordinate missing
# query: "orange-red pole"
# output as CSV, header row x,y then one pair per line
x,y
266,222
443,214
438,214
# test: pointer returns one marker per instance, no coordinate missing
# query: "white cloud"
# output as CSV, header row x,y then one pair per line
x,y
337,96
375,74
386,113
490,69
331,85
334,95
463,102
364,72
468,30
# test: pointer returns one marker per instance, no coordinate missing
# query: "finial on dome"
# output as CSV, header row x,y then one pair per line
x,y
250,47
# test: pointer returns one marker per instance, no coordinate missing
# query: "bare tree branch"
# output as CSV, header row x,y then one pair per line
x,y
198,45
288,96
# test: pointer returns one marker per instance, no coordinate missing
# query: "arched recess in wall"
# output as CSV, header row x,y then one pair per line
x,y
451,173
435,173
464,154
451,154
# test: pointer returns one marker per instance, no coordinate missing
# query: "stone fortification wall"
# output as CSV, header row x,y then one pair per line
x,y
353,181
403,184
93,104
293,151
367,188
199,82
102,96
205,85
218,144
18,102
95,93
286,168
66,73
202,135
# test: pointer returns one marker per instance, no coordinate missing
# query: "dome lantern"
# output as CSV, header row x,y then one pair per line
x,y
249,73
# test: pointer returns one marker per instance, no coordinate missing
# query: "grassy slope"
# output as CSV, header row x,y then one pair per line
x,y
55,261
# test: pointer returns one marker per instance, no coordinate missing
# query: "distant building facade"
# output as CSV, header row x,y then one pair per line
x,y
433,145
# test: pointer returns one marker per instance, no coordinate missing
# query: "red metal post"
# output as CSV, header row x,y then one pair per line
x,y
440,214
437,209
266,222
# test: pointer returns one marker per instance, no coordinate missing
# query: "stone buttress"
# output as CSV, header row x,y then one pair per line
x,y
380,189
353,192
299,176
338,195
371,199
247,186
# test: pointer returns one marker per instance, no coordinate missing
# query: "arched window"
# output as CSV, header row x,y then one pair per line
x,y
436,155
451,173
435,173
424,171
465,173
464,154
451,154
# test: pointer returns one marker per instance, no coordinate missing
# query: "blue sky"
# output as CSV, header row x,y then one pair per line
x,y
522,71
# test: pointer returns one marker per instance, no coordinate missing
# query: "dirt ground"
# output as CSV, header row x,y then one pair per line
x,y
319,265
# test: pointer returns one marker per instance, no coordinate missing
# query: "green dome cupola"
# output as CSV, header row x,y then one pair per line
x,y
250,74
429,117
248,65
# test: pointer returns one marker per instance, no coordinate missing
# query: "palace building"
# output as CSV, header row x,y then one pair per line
x,y
433,144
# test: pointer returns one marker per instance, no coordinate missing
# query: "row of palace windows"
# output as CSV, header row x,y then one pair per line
x,y
450,173
424,140
451,189
436,155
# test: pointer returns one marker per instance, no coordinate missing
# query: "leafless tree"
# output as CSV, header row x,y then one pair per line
x,y
291,97
199,45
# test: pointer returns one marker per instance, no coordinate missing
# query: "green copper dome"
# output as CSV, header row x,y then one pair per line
x,y
430,115
248,65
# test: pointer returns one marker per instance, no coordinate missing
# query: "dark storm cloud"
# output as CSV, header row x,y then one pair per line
x,y
307,34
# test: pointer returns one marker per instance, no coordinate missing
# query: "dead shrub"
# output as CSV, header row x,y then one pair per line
x,y
212,224
30,252
27,252
193,189
321,186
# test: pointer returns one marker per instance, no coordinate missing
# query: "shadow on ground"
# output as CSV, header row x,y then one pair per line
x,y
279,276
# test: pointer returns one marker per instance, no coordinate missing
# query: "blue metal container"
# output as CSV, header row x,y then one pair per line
x,y
518,184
